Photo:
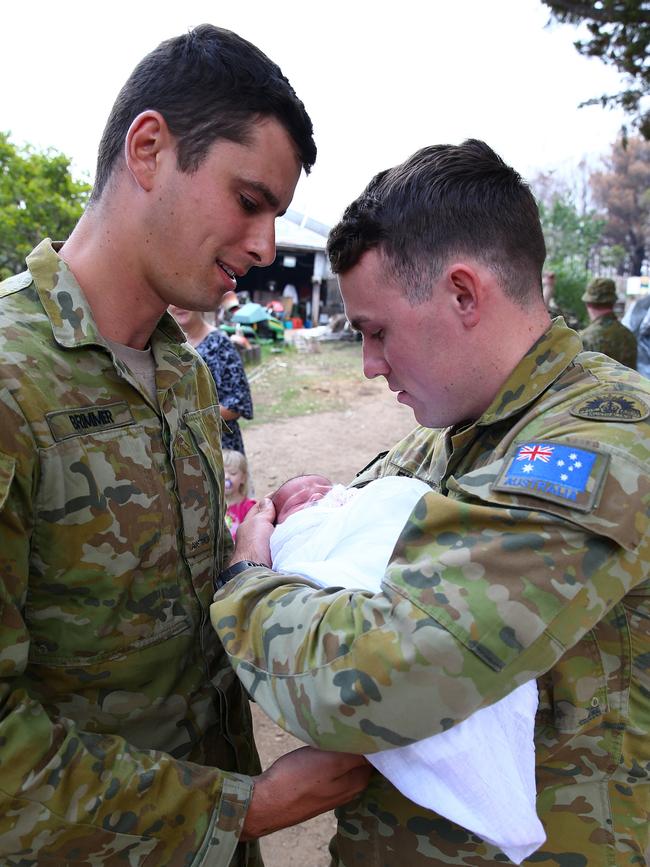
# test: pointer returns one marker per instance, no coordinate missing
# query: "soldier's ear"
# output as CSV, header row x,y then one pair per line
x,y
464,285
147,146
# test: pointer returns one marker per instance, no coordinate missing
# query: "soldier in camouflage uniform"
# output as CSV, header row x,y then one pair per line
x,y
606,334
125,736
529,558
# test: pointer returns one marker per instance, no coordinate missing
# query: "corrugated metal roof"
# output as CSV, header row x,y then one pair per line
x,y
297,231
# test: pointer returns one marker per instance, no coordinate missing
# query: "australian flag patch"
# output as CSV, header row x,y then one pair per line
x,y
554,471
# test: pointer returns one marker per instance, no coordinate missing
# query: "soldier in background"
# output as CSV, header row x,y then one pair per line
x,y
125,735
606,334
529,558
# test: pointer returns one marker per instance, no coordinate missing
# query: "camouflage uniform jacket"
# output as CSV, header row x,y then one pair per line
x,y
607,335
497,578
125,735
570,318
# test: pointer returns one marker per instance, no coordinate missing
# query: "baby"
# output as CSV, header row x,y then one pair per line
x,y
480,773
347,541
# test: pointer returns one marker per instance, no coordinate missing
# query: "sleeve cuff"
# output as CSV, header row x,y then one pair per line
x,y
226,822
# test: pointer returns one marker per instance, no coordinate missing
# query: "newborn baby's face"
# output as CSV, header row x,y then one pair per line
x,y
298,493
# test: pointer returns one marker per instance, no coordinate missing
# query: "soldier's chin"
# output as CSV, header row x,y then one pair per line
x,y
424,413
422,416
425,416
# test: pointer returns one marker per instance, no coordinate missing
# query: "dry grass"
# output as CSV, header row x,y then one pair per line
x,y
292,383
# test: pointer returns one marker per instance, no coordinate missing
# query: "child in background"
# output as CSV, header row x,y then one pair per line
x,y
238,504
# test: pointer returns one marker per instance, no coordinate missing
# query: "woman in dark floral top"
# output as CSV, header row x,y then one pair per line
x,y
225,364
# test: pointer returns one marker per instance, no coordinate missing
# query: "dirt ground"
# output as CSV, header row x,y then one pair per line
x,y
336,444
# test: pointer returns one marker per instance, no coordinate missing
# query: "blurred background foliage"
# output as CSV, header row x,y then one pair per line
x,y
39,199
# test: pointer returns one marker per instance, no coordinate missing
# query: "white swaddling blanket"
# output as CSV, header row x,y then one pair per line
x,y
479,774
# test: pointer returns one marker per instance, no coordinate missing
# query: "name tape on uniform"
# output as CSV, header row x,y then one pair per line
x,y
88,419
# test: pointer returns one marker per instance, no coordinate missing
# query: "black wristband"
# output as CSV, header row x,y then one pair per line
x,y
226,574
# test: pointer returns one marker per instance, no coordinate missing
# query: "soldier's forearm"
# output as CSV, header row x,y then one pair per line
x,y
459,625
70,786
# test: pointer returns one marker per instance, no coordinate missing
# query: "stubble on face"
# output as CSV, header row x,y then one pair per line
x,y
435,354
404,342
222,214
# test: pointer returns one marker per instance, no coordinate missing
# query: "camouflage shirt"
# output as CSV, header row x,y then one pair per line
x,y
125,735
570,318
499,576
607,335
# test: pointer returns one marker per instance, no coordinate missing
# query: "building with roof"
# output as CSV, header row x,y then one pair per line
x,y
301,262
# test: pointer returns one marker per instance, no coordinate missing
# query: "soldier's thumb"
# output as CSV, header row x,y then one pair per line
x,y
265,507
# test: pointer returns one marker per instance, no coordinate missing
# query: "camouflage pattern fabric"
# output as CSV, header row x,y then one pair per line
x,y
487,588
601,290
126,737
570,318
607,335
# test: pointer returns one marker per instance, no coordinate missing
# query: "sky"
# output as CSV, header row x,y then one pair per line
x,y
379,79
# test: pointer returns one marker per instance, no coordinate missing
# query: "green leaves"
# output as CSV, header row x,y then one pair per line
x,y
619,34
570,236
572,239
38,198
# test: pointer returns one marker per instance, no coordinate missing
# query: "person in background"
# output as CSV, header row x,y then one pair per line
x,y
290,296
229,306
637,319
239,504
222,357
605,333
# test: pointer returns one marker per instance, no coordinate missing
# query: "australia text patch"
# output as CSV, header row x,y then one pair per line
x,y
81,420
554,471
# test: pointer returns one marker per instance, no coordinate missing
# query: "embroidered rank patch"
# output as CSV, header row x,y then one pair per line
x,y
88,419
612,407
552,471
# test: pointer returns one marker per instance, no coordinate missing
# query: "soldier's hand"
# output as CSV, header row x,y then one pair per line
x,y
300,785
254,534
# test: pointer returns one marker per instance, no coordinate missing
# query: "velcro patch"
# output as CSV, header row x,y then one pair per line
x,y
612,407
554,471
82,420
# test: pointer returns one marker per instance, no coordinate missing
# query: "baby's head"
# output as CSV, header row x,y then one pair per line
x,y
235,468
297,493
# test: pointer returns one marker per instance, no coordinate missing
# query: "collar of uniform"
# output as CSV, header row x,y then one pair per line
x,y
71,317
174,355
170,331
544,362
62,298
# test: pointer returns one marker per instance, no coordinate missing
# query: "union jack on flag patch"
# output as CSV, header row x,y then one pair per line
x,y
535,452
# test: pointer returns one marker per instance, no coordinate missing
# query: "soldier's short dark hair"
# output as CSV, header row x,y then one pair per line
x,y
208,84
446,200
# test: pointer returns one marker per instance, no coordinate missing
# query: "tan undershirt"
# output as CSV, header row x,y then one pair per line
x,y
141,364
